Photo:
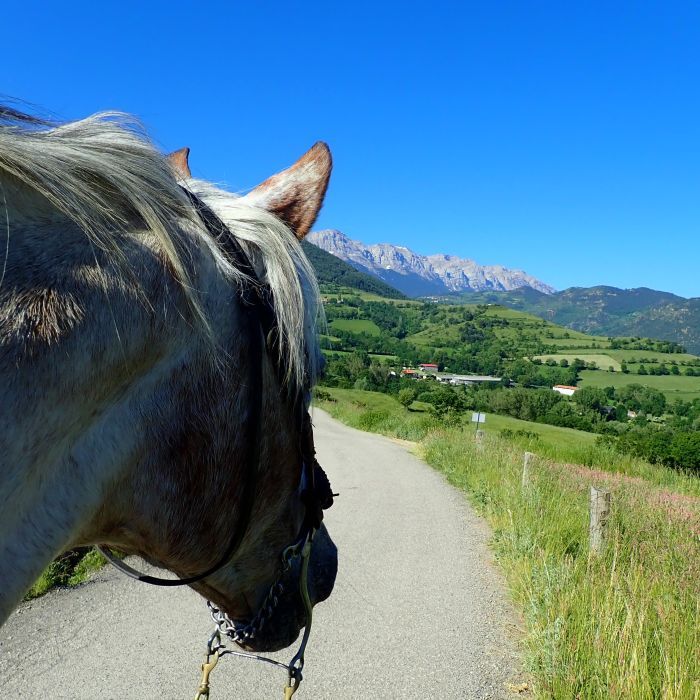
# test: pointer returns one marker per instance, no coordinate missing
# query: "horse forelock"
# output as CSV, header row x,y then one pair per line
x,y
103,174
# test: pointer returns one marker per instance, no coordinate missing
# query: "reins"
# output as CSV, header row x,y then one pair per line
x,y
258,311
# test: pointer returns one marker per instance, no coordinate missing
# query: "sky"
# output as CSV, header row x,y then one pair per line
x,y
558,138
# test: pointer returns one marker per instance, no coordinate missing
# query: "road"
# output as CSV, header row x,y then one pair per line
x,y
419,609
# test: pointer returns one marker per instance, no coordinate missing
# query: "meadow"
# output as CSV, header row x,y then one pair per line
x,y
672,386
620,624
357,325
602,361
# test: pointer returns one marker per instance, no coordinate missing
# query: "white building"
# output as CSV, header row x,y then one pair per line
x,y
564,389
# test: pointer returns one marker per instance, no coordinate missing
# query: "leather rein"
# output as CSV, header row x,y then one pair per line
x,y
260,327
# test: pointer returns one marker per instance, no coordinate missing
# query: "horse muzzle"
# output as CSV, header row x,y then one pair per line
x,y
285,623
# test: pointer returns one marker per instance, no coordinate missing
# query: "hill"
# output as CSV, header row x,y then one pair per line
x,y
601,310
608,311
331,271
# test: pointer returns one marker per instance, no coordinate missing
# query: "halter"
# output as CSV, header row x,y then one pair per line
x,y
259,317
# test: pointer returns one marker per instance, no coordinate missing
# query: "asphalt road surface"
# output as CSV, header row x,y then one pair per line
x,y
418,611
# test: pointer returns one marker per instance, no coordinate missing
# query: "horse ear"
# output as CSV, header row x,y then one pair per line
x,y
295,195
179,161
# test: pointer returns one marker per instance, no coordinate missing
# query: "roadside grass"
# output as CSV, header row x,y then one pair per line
x,y
622,624
70,569
672,386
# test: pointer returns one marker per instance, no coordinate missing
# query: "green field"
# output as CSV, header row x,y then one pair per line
x,y
602,361
436,336
355,325
354,405
342,292
647,355
586,343
551,435
673,387
377,356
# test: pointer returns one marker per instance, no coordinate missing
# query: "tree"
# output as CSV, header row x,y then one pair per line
x,y
685,450
591,397
642,370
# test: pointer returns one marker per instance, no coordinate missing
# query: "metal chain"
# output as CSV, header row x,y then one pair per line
x,y
245,633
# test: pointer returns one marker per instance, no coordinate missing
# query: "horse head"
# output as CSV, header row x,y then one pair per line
x,y
146,403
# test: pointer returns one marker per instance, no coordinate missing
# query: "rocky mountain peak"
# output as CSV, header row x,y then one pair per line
x,y
421,275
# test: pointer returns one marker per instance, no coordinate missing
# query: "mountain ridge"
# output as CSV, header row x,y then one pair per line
x,y
601,309
422,275
607,310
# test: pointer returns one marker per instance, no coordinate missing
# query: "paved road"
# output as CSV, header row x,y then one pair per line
x,y
418,610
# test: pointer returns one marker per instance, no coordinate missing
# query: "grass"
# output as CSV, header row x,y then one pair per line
x,y
585,343
647,355
619,625
381,413
672,386
70,569
602,361
355,325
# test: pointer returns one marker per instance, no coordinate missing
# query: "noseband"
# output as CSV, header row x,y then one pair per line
x,y
259,319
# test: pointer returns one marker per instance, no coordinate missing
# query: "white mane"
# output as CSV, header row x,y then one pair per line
x,y
105,175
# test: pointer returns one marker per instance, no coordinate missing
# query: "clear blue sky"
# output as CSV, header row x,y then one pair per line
x,y
560,138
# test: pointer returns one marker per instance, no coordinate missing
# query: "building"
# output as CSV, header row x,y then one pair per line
x,y
564,389
429,367
466,379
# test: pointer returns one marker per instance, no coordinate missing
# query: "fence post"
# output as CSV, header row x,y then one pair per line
x,y
479,437
528,458
600,512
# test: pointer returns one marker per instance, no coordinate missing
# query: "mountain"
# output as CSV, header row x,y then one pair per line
x,y
600,310
607,310
422,275
332,270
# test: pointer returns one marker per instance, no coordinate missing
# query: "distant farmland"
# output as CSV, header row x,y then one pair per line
x,y
672,386
355,325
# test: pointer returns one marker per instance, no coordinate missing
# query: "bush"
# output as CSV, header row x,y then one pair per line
x,y
407,396
323,395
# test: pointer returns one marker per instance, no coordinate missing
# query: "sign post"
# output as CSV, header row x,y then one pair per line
x,y
478,418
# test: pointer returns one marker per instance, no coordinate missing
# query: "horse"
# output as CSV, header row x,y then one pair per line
x,y
157,352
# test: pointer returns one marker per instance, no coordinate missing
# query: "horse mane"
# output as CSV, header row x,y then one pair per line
x,y
105,175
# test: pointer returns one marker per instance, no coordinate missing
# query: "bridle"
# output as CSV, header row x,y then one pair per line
x,y
258,316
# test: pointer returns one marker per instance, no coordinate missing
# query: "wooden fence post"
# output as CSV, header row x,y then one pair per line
x,y
527,461
479,438
600,512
